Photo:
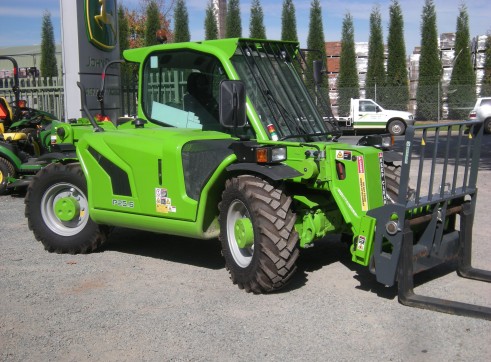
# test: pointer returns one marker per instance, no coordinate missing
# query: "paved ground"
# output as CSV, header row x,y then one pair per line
x,y
152,297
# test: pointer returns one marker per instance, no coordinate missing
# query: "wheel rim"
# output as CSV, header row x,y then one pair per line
x,y
396,128
242,256
64,209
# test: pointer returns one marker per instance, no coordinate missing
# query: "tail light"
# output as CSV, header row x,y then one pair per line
x,y
473,115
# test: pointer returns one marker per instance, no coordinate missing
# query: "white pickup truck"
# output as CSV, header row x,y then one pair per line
x,y
366,115
482,112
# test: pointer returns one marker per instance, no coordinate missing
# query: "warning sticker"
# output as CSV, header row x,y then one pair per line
x,y
163,202
361,243
363,185
382,175
343,155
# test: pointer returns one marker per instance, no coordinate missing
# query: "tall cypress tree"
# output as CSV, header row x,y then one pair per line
x,y
211,26
124,43
348,86
49,67
486,81
181,22
152,23
462,88
256,26
375,78
397,90
427,96
288,21
233,25
315,40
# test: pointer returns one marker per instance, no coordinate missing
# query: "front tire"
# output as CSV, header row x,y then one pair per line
x,y
487,126
396,127
58,213
259,241
6,170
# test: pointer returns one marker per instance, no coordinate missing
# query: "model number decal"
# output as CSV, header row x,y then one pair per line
x,y
123,203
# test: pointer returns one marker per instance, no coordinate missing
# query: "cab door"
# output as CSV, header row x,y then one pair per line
x,y
369,115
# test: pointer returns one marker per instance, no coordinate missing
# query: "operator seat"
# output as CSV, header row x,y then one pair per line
x,y
199,99
6,115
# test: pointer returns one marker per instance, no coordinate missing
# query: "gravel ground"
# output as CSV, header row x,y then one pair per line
x,y
151,297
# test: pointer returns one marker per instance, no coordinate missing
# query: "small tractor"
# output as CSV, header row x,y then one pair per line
x,y
230,143
25,138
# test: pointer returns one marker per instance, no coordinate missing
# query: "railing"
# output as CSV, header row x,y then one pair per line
x,y
45,94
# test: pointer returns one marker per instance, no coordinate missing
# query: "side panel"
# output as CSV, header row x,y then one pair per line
x,y
141,182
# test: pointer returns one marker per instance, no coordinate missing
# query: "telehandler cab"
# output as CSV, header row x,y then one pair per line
x,y
229,143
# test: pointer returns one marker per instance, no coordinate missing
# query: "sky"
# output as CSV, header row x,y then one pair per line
x,y
22,19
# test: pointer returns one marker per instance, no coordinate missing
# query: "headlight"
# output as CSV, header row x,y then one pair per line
x,y
410,117
387,141
379,141
278,154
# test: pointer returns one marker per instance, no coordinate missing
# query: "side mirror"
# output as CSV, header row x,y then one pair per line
x,y
318,69
232,103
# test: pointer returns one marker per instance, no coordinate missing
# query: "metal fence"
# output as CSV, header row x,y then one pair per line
x,y
45,94
432,102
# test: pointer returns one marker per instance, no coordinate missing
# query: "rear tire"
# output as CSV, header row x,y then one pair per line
x,y
58,213
6,170
267,262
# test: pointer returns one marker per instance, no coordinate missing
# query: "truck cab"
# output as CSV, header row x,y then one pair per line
x,y
365,114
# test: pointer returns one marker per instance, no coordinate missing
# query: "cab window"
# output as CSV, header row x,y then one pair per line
x,y
367,106
181,89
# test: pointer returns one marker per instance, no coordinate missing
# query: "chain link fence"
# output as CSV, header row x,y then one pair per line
x,y
431,104
434,102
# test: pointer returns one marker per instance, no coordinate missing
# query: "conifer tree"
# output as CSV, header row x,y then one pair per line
x,y
211,27
256,26
315,40
233,25
348,74
49,67
397,89
288,21
375,78
123,30
123,38
462,89
152,23
181,22
429,67
486,81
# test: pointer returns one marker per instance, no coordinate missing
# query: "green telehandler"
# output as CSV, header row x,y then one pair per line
x,y
230,143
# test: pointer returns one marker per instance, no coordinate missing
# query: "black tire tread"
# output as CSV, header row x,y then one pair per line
x,y
392,181
278,247
6,165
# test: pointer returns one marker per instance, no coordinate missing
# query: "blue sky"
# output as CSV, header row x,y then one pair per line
x,y
21,19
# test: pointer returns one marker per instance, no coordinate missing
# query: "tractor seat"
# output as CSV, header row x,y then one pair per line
x,y
6,115
14,136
